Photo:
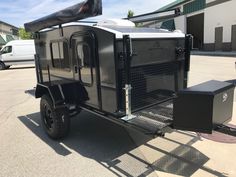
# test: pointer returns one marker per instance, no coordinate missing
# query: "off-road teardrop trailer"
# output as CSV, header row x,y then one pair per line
x,y
135,77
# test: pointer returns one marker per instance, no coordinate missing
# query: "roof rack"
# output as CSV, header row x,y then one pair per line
x,y
85,9
159,15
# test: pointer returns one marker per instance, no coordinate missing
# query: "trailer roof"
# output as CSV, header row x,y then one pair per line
x,y
136,32
133,32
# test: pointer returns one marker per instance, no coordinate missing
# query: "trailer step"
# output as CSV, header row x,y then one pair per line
x,y
155,119
156,115
149,125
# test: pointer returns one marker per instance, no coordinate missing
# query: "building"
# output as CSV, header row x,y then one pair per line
x,y
211,22
7,33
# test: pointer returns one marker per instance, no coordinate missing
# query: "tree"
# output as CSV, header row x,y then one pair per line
x,y
130,14
25,35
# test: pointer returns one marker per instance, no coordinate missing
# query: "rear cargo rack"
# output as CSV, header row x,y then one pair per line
x,y
156,119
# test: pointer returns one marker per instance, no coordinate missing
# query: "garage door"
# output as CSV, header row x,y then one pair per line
x,y
234,37
218,38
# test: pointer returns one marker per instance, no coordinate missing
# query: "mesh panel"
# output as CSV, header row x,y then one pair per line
x,y
152,83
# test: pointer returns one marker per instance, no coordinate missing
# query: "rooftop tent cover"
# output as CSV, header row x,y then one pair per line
x,y
85,9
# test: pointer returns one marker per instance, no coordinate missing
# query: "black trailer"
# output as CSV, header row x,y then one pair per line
x,y
136,77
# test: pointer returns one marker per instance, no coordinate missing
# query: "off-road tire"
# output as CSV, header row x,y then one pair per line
x,y
56,122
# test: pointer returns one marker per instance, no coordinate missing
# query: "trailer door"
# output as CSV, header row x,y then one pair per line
x,y
85,65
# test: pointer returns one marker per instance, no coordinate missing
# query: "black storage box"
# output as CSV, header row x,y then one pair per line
x,y
200,108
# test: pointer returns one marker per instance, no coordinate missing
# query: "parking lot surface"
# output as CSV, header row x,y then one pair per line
x,y
97,147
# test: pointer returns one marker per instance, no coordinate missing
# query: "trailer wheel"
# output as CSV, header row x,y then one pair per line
x,y
2,66
56,122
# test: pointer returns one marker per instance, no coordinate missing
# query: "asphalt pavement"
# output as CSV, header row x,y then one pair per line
x,y
97,147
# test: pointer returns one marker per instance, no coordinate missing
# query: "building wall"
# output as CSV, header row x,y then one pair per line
x,y
180,23
6,31
218,13
221,15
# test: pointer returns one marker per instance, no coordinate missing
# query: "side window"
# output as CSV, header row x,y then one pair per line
x,y
85,63
59,54
7,49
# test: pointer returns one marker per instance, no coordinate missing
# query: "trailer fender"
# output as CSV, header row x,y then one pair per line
x,y
40,91
54,92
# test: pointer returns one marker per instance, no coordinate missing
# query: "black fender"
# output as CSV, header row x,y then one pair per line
x,y
71,93
55,92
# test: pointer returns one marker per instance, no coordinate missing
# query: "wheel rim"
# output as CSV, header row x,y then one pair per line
x,y
48,120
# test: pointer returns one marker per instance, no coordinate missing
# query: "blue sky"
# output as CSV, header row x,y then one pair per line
x,y
17,12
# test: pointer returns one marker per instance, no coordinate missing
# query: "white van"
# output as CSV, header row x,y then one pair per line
x,y
17,52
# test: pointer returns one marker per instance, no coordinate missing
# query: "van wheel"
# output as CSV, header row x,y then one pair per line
x,y
2,66
56,122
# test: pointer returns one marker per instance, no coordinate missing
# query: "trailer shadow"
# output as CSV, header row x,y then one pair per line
x,y
111,146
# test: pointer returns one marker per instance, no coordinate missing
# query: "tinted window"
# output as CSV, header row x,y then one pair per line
x,y
84,59
60,57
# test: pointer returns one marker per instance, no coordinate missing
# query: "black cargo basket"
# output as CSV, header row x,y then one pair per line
x,y
152,84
